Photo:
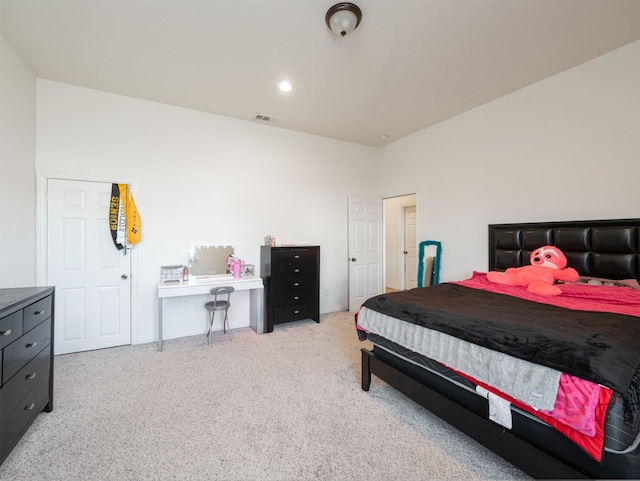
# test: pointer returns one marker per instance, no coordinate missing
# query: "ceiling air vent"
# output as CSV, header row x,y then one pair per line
x,y
265,118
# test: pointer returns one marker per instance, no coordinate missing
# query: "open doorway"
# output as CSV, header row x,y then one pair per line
x,y
400,242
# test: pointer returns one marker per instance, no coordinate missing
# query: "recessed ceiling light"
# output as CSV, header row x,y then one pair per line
x,y
285,86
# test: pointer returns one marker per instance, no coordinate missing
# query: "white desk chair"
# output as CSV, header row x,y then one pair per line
x,y
221,302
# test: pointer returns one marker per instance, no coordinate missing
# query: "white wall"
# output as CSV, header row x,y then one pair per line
x,y
17,159
578,131
566,148
203,179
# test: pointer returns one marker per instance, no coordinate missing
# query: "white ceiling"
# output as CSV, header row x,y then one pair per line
x,y
408,66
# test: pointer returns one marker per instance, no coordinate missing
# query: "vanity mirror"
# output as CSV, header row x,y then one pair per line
x,y
209,261
429,263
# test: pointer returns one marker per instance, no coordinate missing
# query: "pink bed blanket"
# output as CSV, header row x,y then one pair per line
x,y
575,404
580,408
579,413
582,297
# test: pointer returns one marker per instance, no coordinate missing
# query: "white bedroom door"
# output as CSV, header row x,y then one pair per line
x,y
92,278
365,249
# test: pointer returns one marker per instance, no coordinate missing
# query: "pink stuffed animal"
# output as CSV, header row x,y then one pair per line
x,y
548,264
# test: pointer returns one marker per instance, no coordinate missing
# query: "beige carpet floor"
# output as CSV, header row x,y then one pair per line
x,y
280,406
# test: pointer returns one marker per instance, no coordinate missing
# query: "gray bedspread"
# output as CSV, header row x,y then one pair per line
x,y
531,383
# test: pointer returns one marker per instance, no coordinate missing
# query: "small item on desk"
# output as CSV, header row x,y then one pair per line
x,y
235,266
249,270
185,274
172,273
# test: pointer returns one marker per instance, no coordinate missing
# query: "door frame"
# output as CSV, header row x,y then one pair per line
x,y
42,179
385,197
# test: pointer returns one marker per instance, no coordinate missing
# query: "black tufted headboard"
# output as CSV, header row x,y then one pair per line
x,y
599,248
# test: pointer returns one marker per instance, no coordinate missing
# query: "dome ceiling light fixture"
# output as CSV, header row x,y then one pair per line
x,y
343,18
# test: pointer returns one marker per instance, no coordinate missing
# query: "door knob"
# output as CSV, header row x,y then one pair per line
x,y
353,259
124,277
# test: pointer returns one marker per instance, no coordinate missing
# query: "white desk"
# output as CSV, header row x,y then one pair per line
x,y
202,286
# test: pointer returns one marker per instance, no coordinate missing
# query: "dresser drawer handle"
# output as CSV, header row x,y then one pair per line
x,y
5,333
296,312
32,344
29,377
38,313
295,298
29,407
296,270
296,284
296,257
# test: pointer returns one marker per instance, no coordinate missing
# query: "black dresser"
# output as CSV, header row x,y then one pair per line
x,y
26,360
291,277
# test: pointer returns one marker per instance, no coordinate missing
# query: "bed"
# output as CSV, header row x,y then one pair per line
x,y
549,383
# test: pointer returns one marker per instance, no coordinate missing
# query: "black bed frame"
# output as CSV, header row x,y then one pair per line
x,y
603,248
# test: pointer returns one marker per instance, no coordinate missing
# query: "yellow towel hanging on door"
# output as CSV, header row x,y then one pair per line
x,y
124,219
134,223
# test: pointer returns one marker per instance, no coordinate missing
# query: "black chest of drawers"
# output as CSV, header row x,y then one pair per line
x,y
291,277
26,360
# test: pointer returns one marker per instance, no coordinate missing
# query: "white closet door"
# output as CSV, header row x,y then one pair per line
x,y
365,249
92,278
